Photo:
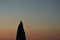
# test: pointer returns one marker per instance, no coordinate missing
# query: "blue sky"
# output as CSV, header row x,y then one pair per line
x,y
30,10
37,15
37,10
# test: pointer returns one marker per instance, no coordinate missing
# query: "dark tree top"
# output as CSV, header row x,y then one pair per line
x,y
20,32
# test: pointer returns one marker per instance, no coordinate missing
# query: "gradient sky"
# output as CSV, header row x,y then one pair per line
x,y
41,18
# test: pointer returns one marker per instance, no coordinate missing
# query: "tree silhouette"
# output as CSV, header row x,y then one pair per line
x,y
20,32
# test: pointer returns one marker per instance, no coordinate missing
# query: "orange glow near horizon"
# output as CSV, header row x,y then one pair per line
x,y
41,19
43,34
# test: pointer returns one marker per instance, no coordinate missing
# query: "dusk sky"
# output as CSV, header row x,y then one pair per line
x,y
41,19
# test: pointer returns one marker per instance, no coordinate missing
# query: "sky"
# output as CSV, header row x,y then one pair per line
x,y
41,19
